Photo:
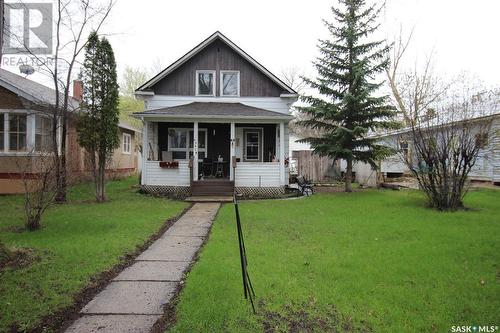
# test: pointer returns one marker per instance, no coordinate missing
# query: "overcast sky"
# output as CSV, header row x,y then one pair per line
x,y
284,33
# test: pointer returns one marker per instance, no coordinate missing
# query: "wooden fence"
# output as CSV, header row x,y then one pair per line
x,y
314,167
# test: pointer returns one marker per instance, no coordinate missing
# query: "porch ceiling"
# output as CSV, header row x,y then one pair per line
x,y
214,110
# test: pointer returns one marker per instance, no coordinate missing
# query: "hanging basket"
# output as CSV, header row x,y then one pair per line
x,y
169,165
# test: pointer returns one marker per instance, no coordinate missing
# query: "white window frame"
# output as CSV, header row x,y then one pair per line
x,y
188,149
41,115
205,71
260,130
127,136
221,82
30,133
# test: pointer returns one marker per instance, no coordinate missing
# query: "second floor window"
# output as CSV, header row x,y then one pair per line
x,y
205,83
230,83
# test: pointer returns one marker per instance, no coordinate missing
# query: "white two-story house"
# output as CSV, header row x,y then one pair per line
x,y
215,121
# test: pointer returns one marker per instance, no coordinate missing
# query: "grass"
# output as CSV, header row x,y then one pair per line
x,y
78,240
367,261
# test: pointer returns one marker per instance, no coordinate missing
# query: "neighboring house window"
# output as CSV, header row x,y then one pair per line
x,y
253,145
403,145
481,140
180,143
127,143
43,133
17,132
205,83
230,83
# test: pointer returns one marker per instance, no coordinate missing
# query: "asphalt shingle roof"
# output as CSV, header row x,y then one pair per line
x,y
40,94
204,109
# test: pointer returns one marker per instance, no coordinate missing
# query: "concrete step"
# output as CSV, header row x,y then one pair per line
x,y
210,198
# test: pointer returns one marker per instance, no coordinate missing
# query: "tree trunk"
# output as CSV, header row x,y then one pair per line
x,y
348,175
100,181
62,183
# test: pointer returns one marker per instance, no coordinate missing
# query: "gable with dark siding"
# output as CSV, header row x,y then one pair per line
x,y
217,56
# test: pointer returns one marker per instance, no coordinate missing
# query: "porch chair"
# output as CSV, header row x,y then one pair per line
x,y
207,165
305,187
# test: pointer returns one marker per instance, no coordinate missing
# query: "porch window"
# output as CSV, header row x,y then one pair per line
x,y
17,132
43,133
181,142
127,143
253,145
230,83
205,83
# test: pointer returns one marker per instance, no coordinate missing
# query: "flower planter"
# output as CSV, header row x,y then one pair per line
x,y
169,165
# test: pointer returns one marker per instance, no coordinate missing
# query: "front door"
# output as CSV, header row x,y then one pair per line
x,y
253,145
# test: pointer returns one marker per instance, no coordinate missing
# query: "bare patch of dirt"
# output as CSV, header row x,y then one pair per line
x,y
20,258
14,229
303,318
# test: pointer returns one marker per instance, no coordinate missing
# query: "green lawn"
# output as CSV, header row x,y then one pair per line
x,y
367,261
78,241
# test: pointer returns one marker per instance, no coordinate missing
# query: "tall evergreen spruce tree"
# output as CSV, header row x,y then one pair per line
x,y
347,108
98,126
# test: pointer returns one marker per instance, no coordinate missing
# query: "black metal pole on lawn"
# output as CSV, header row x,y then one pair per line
x,y
247,284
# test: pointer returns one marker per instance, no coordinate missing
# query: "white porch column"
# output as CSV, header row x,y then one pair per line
x,y
232,151
145,151
195,150
282,154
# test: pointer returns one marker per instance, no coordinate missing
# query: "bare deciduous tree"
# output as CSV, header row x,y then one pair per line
x,y
413,91
39,180
132,78
444,148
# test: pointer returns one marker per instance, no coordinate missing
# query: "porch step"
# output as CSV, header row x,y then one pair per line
x,y
210,198
212,188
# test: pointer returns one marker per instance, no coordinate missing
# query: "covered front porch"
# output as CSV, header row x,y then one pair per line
x,y
180,155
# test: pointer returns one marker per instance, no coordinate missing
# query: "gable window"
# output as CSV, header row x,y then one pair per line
x,y
17,132
127,143
180,143
205,83
253,145
43,133
229,83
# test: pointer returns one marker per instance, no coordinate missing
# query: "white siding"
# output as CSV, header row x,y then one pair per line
x,y
277,104
154,175
495,149
254,174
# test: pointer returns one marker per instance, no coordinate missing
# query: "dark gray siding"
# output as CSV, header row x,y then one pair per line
x,y
217,56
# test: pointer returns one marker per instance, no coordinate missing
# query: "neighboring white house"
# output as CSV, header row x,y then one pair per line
x,y
486,168
215,119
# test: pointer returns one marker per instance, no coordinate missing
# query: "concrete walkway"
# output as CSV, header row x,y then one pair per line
x,y
135,299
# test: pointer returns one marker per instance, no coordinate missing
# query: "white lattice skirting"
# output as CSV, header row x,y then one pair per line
x,y
260,192
179,192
